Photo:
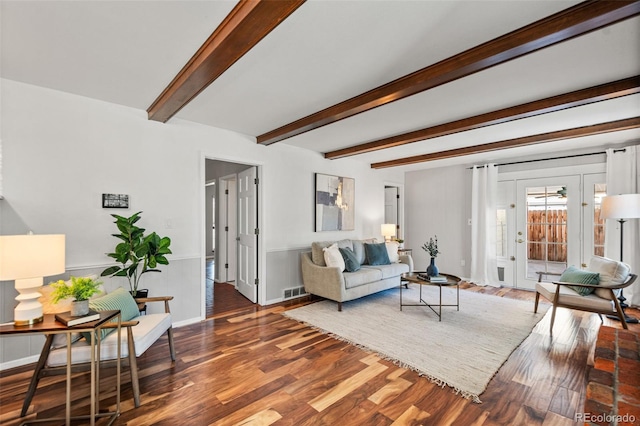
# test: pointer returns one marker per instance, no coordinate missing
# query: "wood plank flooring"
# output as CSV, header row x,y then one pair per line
x,y
253,366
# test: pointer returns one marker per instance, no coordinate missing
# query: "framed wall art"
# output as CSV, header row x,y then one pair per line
x,y
115,201
335,203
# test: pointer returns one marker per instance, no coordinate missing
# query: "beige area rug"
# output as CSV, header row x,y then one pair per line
x,y
464,351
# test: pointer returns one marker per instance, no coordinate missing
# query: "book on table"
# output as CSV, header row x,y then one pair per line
x,y
69,320
435,279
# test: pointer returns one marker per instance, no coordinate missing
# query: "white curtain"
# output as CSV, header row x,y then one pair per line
x,y
622,178
484,265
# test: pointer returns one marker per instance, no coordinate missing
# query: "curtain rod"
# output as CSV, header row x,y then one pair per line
x,y
553,158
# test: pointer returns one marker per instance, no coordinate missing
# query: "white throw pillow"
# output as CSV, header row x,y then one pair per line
x,y
611,273
333,257
392,251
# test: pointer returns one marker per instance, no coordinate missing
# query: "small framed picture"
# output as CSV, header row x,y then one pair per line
x,y
115,201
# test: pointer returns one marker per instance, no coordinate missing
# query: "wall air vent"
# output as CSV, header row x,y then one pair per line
x,y
290,293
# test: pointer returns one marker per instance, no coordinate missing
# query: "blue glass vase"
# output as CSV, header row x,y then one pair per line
x,y
432,269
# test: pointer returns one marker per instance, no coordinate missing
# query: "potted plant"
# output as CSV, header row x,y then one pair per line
x,y
432,248
81,289
136,252
400,242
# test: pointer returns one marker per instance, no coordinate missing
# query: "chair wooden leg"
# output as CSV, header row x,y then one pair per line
x,y
133,369
619,311
535,307
33,385
172,350
553,318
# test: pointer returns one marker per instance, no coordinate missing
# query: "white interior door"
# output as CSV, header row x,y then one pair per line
x,y
548,225
231,231
391,205
247,235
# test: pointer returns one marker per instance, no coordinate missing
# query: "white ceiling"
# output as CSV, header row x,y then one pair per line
x,y
126,52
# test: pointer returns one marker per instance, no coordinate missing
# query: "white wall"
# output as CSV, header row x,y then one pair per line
x,y
439,203
61,152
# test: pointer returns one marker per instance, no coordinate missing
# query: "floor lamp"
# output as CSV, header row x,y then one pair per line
x,y
621,208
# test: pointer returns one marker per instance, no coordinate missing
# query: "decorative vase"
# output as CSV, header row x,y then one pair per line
x,y
432,269
79,308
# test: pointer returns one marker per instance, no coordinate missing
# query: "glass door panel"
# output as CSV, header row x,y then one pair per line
x,y
549,221
595,189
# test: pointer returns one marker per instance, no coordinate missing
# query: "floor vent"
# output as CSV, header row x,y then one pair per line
x,y
294,292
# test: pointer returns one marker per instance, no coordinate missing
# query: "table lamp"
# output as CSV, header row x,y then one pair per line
x,y
27,259
621,208
388,230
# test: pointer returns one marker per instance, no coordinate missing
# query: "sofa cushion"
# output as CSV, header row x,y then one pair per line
x,y
376,254
361,277
392,251
391,270
333,257
317,255
579,276
351,263
612,272
358,249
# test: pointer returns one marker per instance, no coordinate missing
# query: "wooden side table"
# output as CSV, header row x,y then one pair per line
x,y
50,326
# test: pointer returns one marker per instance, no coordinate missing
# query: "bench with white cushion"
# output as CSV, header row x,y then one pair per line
x,y
139,332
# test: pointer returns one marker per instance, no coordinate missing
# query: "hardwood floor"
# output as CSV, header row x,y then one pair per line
x,y
251,365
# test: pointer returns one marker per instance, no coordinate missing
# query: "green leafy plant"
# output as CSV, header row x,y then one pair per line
x,y
400,240
431,247
81,288
137,253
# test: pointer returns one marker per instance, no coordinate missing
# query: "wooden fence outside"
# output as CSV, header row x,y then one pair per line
x,y
547,234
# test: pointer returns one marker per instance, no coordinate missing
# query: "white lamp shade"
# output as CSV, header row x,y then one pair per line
x,y
31,256
625,206
388,229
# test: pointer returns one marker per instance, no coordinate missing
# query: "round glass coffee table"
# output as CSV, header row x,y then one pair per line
x,y
413,277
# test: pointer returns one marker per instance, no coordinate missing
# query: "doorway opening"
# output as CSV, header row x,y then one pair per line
x,y
231,244
393,209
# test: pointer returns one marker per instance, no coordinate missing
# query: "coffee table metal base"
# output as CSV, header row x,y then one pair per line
x,y
432,306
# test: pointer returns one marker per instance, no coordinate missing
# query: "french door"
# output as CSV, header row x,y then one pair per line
x,y
547,224
548,227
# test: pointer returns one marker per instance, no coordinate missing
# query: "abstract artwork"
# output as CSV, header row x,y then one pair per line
x,y
335,203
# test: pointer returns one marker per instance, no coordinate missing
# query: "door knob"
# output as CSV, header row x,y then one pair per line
x,y
512,258
520,240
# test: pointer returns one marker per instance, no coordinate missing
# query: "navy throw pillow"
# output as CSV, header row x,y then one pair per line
x,y
350,260
377,254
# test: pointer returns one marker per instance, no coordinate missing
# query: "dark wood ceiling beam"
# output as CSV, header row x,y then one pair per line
x,y
577,132
590,95
247,24
569,23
